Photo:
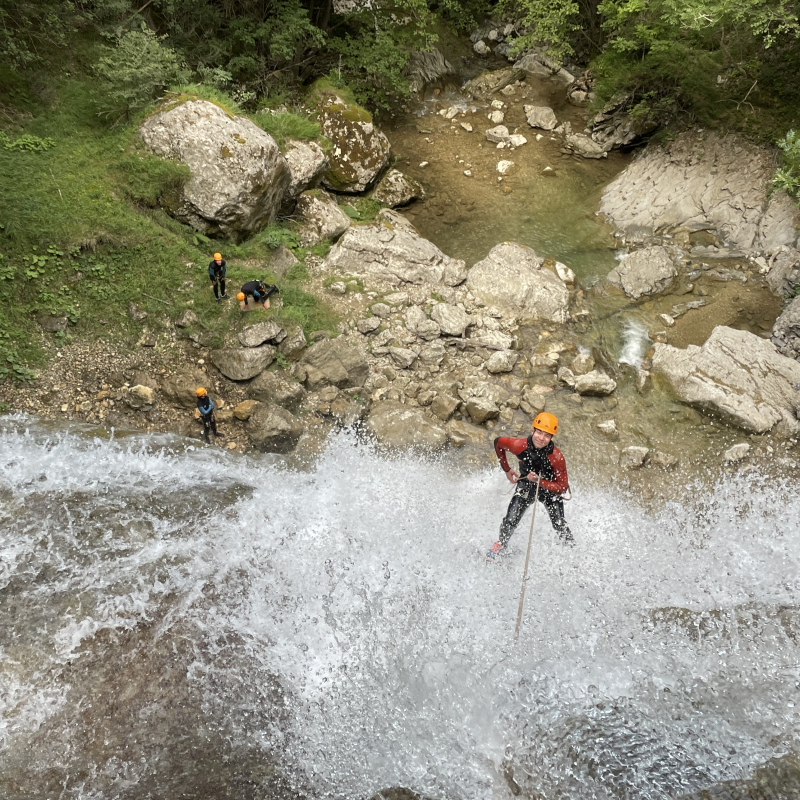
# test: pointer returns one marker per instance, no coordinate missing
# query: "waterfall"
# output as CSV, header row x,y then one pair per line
x,y
178,619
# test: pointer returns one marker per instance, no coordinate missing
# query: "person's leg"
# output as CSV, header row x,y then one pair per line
x,y
206,427
516,508
214,426
555,508
216,289
222,286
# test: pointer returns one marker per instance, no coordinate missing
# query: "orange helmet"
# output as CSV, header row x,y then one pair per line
x,y
217,256
546,422
200,391
240,296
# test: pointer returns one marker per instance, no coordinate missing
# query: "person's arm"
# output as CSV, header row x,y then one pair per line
x,y
224,268
211,272
502,445
560,484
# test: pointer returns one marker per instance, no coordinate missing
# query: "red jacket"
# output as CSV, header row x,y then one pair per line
x,y
560,482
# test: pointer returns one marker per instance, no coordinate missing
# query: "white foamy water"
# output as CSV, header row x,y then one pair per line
x,y
635,342
341,624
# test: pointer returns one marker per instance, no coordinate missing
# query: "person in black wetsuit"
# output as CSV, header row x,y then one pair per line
x,y
206,407
216,271
537,456
259,291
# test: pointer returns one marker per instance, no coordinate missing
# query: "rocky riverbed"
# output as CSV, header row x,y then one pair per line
x,y
656,347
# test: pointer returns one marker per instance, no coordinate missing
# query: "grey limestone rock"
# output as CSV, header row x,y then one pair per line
x,y
395,189
595,384
392,253
501,361
426,67
255,335
418,323
180,387
452,320
460,433
400,426
541,117
320,218
736,453
307,163
276,388
293,346
139,396
784,271
334,362
513,279
241,364
739,376
238,174
714,182
273,429
489,82
402,356
786,330
368,325
644,272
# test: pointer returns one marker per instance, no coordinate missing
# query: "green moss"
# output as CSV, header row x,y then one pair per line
x,y
225,152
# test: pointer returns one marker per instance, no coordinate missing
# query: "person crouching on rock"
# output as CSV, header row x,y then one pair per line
x,y
205,406
537,456
258,290
216,271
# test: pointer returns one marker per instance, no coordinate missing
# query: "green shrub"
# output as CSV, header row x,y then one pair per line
x,y
787,177
135,71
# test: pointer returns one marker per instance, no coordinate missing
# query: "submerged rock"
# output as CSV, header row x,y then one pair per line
x,y
644,272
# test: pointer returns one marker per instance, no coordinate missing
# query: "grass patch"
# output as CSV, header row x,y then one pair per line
x,y
286,126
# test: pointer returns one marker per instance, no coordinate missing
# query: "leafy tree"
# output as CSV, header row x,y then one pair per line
x,y
135,71
28,28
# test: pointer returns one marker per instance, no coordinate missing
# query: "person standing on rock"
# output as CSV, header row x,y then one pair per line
x,y
538,458
205,405
216,271
258,290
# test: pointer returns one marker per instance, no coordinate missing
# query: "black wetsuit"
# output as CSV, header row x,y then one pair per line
x,y
206,407
258,290
217,274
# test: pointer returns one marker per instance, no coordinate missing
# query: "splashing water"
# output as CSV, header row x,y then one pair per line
x,y
173,617
635,342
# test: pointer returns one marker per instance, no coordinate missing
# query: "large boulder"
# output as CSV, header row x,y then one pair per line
x,y
714,182
644,272
277,389
395,189
595,384
334,362
255,335
513,279
241,364
614,126
397,425
360,151
180,388
307,163
320,218
273,429
392,252
739,376
238,173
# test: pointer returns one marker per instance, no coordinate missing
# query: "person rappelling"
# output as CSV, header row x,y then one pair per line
x,y
259,291
542,475
205,405
216,271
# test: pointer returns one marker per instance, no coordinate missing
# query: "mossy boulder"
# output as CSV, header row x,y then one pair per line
x,y
360,151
